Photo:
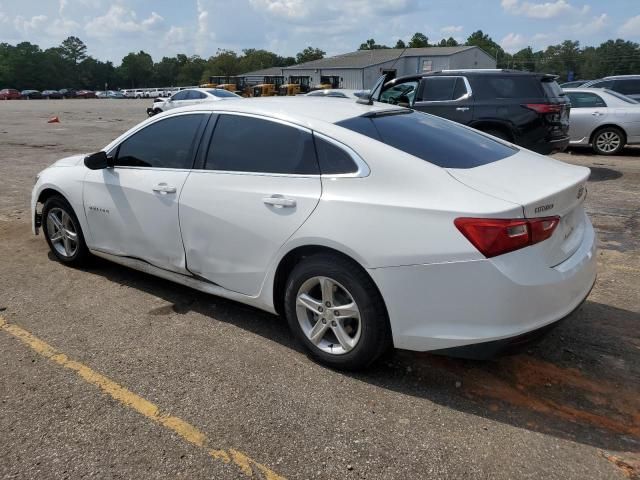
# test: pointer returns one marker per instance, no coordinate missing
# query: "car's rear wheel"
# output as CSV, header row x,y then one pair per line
x,y
62,231
608,141
335,310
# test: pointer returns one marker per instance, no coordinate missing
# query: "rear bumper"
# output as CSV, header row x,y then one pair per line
x,y
547,147
487,350
447,305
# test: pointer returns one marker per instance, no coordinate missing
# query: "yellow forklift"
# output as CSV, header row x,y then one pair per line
x,y
289,89
269,88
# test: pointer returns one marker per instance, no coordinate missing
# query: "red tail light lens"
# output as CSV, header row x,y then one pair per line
x,y
496,236
544,107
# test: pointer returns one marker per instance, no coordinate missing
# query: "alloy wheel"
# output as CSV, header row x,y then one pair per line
x,y
328,315
608,141
62,232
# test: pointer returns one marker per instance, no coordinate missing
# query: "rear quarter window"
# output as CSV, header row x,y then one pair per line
x,y
432,139
489,87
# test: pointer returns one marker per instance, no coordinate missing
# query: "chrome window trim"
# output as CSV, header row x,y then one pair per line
x,y
466,96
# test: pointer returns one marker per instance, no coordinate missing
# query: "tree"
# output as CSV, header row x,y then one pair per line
x,y
486,43
448,42
419,40
371,45
73,49
309,54
400,44
137,69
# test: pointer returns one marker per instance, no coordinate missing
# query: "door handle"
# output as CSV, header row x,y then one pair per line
x,y
462,109
279,201
596,114
164,188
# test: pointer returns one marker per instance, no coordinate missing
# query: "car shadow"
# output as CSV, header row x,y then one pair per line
x,y
580,383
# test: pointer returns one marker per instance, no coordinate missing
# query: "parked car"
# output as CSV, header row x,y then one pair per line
x,y
574,83
604,119
528,109
85,94
115,94
10,94
190,96
51,94
337,93
68,92
364,225
628,85
101,94
31,94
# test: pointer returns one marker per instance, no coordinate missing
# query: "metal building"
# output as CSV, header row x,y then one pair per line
x,y
359,70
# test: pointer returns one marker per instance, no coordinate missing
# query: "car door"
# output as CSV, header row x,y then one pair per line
x,y
588,111
258,183
132,208
179,99
445,96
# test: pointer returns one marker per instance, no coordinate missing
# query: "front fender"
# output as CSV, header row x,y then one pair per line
x,y
67,182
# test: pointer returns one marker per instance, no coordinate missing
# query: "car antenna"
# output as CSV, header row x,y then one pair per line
x,y
368,99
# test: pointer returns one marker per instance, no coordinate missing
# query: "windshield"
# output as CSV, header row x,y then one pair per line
x,y
433,139
218,92
620,96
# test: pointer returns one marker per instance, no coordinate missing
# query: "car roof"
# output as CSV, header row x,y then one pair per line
x,y
299,109
620,77
471,72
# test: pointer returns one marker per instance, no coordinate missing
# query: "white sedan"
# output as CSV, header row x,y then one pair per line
x,y
189,97
366,226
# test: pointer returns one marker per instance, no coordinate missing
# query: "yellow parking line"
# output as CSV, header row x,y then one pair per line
x,y
188,432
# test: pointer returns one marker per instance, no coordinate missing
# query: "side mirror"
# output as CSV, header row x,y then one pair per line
x,y
97,161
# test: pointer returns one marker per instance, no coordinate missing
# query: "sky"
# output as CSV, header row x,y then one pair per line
x,y
113,28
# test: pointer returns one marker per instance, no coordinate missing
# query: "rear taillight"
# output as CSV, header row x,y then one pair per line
x,y
495,236
544,107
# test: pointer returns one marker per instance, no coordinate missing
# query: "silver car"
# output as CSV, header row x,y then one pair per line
x,y
604,119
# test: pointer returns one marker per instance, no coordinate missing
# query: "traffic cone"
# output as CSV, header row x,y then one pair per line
x,y
53,120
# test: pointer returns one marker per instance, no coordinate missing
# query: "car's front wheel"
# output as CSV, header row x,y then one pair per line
x,y
608,141
336,312
62,231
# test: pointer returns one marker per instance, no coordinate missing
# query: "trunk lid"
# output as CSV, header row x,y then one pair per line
x,y
544,187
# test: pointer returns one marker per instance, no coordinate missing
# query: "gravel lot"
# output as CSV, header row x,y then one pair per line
x,y
566,408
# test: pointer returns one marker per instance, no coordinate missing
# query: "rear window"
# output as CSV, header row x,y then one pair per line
x,y
433,139
552,89
622,97
490,87
222,93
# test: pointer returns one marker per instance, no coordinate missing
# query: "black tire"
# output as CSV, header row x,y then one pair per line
x,y
375,334
501,134
604,141
81,254
156,111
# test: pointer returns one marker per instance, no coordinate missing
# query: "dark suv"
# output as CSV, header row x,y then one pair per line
x,y
628,85
528,109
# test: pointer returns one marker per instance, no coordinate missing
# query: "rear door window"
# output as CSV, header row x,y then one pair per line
x,y
433,139
585,100
249,144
